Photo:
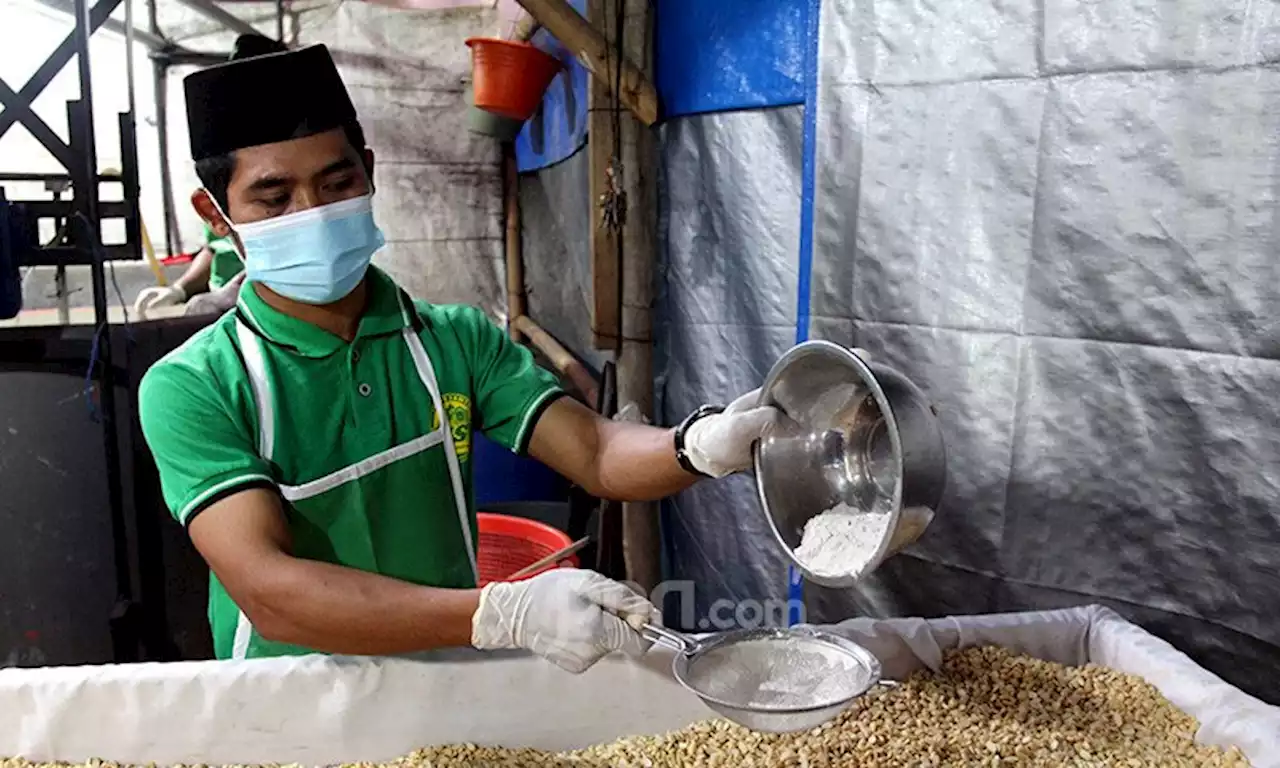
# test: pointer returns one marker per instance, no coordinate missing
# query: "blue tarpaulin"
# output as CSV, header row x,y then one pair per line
x,y
559,127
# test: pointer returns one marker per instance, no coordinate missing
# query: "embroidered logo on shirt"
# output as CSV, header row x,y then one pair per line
x,y
459,409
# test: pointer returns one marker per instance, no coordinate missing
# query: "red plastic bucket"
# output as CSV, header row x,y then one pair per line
x,y
508,544
509,78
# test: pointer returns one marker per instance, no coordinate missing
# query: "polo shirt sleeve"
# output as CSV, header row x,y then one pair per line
x,y
511,390
201,451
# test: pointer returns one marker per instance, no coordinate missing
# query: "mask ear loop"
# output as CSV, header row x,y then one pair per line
x,y
235,246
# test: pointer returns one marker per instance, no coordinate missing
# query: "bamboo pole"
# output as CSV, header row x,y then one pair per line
x,y
514,251
562,359
593,50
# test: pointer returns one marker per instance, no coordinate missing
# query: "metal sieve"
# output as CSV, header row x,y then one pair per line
x,y
773,680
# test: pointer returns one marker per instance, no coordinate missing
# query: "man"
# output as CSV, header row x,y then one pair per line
x,y
212,280
315,440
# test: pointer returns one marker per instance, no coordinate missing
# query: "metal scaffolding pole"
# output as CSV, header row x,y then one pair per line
x,y
153,42
209,10
124,640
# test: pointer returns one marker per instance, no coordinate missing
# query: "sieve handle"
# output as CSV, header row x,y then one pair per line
x,y
668,638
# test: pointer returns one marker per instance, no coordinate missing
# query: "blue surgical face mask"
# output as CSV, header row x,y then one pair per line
x,y
315,256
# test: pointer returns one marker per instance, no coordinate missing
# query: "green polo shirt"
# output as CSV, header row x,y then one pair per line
x,y
338,404
226,262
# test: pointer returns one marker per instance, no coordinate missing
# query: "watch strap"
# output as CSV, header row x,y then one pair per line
x,y
682,454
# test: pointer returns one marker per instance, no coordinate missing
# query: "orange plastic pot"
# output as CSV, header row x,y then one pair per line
x,y
509,78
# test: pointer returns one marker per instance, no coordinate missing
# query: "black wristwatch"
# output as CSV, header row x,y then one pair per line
x,y
682,456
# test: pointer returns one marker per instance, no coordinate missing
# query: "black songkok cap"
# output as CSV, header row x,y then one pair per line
x,y
265,99
256,45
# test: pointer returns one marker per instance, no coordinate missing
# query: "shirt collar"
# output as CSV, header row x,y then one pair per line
x,y
386,311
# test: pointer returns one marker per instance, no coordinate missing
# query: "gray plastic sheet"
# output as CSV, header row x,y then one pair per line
x,y
1060,219
729,233
556,210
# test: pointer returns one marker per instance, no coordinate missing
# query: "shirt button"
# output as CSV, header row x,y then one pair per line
x,y
364,390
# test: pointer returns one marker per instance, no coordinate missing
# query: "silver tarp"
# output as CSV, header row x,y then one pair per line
x,y
1060,219
729,233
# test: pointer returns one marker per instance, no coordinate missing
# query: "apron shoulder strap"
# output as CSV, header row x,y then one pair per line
x,y
411,317
422,362
255,365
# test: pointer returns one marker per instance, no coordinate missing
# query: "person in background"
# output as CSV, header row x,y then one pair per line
x,y
214,266
315,441
212,280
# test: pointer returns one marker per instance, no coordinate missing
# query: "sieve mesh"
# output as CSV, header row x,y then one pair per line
x,y
778,673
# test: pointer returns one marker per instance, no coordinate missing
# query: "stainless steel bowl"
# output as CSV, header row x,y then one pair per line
x,y
853,432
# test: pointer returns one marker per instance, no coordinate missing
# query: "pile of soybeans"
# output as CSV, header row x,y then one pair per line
x,y
986,707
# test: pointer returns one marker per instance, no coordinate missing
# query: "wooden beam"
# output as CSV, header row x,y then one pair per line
x,y
595,53
563,360
602,147
606,272
623,284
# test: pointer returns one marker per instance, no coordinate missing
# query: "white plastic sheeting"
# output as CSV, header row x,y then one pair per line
x,y
320,710
1227,716
1061,219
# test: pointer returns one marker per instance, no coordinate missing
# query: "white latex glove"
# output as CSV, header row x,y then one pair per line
x,y
218,301
158,296
568,616
720,444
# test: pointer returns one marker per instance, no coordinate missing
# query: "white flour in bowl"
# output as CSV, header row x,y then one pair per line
x,y
842,541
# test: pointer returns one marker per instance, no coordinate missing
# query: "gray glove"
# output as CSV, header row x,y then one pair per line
x,y
216,302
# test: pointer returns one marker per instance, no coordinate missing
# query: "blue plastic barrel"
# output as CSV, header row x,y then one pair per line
x,y
501,476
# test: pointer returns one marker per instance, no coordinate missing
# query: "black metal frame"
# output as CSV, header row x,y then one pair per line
x,y
78,156
138,628
16,108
